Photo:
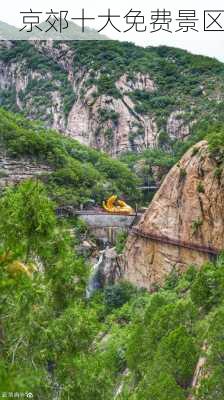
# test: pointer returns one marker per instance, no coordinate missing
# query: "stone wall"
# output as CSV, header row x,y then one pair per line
x,y
13,171
105,227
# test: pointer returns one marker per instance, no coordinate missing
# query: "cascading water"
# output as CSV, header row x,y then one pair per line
x,y
94,280
105,271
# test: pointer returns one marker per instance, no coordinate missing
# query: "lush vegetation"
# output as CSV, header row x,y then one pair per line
x,y
216,144
187,83
152,165
123,341
79,174
55,341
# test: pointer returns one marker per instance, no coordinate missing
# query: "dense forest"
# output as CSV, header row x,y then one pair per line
x,y
55,341
123,342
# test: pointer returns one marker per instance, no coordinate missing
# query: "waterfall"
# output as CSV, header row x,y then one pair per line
x,y
106,271
94,280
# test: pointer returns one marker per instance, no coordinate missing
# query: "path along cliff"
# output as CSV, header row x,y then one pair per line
x,y
188,208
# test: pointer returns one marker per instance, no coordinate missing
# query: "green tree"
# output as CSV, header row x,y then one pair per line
x,y
177,353
207,288
160,386
27,219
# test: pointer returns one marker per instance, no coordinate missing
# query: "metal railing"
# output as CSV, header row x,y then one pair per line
x,y
175,242
73,212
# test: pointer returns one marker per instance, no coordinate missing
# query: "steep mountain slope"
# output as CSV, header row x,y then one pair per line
x,y
113,96
74,174
123,343
188,209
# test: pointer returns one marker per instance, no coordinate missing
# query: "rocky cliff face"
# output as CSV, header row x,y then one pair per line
x,y
110,123
17,85
111,96
189,207
101,121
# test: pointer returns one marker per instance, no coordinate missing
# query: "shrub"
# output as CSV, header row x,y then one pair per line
x,y
218,173
207,288
117,295
200,188
195,225
183,173
121,241
194,151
